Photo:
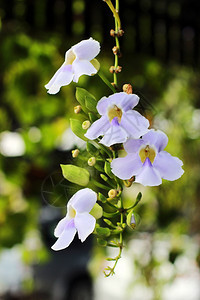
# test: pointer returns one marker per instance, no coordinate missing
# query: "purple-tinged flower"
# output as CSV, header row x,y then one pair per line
x,y
78,219
118,121
147,161
78,61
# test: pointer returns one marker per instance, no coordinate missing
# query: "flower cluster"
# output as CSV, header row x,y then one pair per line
x,y
111,123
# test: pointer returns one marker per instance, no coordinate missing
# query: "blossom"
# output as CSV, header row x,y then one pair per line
x,y
118,121
78,219
147,161
79,60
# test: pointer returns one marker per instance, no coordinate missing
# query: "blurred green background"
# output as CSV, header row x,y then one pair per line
x,y
161,58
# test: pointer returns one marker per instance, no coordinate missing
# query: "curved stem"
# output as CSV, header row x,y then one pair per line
x,y
106,81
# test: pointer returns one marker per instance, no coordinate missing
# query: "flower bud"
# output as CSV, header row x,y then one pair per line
x,y
86,124
112,193
120,32
92,161
75,153
115,50
133,219
112,69
118,69
112,33
127,88
77,109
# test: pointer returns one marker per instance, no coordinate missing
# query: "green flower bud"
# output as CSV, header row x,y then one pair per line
x,y
86,124
75,153
112,193
92,161
133,219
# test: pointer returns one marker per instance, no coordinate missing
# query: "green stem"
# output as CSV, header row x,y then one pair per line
x,y
117,27
106,81
114,11
100,185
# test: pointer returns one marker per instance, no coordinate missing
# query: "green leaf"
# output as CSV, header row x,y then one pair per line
x,y
101,242
103,231
92,149
76,127
86,100
92,117
76,174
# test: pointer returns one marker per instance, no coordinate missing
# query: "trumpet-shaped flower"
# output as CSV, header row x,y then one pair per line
x,y
147,161
78,219
79,60
118,121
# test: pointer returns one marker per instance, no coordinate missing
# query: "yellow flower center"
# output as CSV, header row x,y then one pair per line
x,y
70,57
72,212
115,112
145,152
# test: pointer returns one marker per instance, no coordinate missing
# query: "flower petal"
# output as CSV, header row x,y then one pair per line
x,y
124,101
102,105
148,176
169,167
66,237
132,145
87,49
62,77
134,123
98,128
126,167
85,224
83,200
60,227
82,67
156,138
114,135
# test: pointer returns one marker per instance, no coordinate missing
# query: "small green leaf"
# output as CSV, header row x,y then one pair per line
x,y
76,127
92,117
104,177
76,174
103,231
92,149
97,211
101,242
86,99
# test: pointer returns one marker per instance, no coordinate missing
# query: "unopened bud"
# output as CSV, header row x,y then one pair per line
x,y
127,88
115,50
75,153
112,69
86,124
120,32
118,69
112,193
112,33
77,109
92,161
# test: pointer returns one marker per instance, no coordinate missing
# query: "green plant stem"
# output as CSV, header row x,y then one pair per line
x,y
106,81
114,11
116,41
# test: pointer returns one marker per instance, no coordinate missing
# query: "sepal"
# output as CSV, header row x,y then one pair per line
x,y
76,174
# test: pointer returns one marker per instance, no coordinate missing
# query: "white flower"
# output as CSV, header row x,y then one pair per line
x,y
78,219
78,61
